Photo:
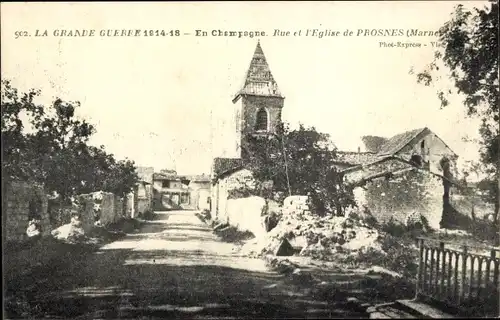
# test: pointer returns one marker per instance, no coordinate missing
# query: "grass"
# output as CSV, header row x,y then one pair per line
x,y
41,251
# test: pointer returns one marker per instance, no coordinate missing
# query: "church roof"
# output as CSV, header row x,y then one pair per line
x,y
259,79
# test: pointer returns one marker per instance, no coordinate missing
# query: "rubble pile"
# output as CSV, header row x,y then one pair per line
x,y
34,228
70,232
323,238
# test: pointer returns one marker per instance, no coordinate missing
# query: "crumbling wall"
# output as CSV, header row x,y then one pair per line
x,y
108,209
407,195
86,210
242,179
129,205
144,198
247,214
119,209
20,198
104,207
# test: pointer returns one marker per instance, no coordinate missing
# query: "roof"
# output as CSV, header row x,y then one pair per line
x,y
199,178
386,166
223,166
355,158
259,79
176,177
399,141
163,176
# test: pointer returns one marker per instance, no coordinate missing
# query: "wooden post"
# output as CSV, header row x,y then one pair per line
x,y
425,278
455,276
432,275
471,280
495,270
420,267
436,276
487,273
448,281
479,276
443,269
464,270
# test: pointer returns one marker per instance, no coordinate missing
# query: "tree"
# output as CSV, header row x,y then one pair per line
x,y
299,162
15,145
468,47
101,171
55,152
373,143
59,142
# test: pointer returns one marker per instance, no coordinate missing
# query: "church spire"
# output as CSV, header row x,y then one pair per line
x,y
259,79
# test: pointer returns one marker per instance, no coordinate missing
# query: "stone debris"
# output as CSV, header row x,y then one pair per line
x,y
378,269
71,232
322,238
284,249
34,228
284,266
454,232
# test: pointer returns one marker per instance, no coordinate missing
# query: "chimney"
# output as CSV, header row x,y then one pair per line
x,y
359,149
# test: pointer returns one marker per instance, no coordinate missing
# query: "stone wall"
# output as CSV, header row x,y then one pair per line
x,y
21,200
103,206
86,210
144,190
144,199
198,194
119,203
398,197
222,189
129,206
248,214
110,209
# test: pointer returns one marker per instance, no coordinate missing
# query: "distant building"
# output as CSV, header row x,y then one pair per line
x,y
143,199
173,191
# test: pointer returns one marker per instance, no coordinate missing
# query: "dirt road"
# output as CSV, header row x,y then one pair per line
x,y
174,267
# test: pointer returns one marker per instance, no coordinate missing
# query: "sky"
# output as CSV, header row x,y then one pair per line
x,y
165,102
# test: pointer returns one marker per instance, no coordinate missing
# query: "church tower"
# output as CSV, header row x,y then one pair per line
x,y
259,102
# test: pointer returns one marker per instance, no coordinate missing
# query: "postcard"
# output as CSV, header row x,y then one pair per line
x,y
250,159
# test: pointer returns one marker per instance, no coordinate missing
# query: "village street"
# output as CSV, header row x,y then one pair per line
x,y
174,266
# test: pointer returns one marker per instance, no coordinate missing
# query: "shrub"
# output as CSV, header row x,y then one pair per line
x,y
400,258
396,257
394,228
206,214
